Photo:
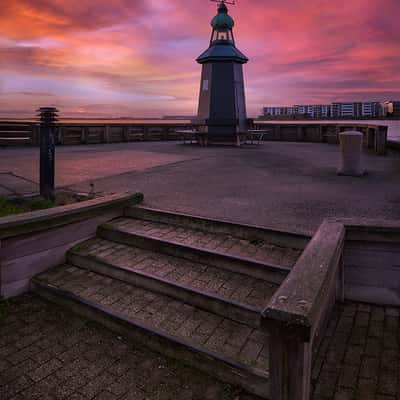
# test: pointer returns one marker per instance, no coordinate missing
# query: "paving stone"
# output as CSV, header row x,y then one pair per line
x,y
388,383
362,319
366,389
348,377
45,370
390,340
353,355
373,347
390,360
377,314
344,394
369,368
326,385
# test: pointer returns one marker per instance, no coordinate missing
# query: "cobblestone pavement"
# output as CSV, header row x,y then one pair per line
x,y
359,356
260,251
227,284
48,353
173,317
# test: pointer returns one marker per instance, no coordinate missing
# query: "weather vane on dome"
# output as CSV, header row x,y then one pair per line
x,y
232,2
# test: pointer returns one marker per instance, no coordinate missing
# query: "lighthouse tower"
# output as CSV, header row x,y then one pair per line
x,y
222,104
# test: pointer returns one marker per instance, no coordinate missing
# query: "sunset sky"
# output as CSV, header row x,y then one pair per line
x,y
137,57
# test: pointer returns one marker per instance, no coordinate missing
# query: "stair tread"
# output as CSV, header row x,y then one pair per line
x,y
259,250
231,286
201,329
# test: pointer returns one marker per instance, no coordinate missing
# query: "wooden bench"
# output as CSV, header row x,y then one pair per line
x,y
187,135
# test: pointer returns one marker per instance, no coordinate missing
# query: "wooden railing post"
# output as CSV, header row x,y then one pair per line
x,y
321,133
84,134
370,138
380,140
277,132
297,314
107,134
300,133
125,134
290,361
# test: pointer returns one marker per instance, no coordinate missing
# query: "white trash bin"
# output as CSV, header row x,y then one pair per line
x,y
350,153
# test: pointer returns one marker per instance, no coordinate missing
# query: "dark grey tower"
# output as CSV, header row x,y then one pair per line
x,y
222,104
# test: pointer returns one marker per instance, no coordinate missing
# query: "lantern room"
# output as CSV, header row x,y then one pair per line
x,y
222,25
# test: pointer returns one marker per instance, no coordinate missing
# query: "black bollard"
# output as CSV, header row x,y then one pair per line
x,y
48,118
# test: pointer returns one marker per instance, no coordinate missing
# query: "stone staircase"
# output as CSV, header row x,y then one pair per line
x,y
188,287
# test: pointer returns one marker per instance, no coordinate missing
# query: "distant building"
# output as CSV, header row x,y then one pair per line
x,y
371,109
350,110
335,110
277,111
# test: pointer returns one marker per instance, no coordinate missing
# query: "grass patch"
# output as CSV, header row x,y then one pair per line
x,y
8,207
22,205
39,203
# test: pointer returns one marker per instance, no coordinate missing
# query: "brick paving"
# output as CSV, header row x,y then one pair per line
x,y
173,317
359,357
49,353
258,250
229,285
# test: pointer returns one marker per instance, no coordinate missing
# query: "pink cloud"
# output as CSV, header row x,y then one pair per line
x,y
140,54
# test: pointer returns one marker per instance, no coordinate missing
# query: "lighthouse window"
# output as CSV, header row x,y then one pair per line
x,y
205,84
222,35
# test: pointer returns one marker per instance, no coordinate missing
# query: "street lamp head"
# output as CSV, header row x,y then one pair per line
x,y
47,115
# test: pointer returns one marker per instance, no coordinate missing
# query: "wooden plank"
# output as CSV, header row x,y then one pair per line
x,y
385,277
30,244
26,267
372,294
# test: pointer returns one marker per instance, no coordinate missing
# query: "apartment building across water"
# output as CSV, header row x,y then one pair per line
x,y
335,110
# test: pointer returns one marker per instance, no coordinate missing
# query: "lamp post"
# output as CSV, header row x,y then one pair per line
x,y
47,117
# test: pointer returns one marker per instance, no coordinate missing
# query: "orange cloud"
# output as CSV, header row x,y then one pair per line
x,y
138,56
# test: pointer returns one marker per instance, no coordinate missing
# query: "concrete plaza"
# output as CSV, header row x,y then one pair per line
x,y
278,184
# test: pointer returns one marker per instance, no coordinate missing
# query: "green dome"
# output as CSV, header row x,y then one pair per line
x,y
222,19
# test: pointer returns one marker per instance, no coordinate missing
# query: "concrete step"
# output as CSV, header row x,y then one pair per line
x,y
232,239
228,350
217,250
223,292
258,235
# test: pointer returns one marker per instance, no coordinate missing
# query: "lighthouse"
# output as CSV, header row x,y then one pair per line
x,y
222,105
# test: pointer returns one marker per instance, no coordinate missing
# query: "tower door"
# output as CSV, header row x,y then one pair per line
x,y
240,101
